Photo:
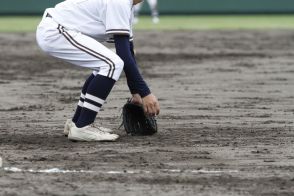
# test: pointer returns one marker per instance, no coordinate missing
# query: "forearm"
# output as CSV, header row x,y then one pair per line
x,y
134,78
129,82
132,50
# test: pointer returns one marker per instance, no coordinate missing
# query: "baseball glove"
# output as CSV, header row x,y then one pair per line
x,y
136,122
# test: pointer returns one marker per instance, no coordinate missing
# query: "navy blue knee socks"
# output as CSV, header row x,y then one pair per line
x,y
82,99
97,91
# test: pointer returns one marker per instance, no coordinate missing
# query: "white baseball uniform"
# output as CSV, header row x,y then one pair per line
x,y
73,30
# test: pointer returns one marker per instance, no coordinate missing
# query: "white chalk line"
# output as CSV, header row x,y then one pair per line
x,y
52,170
57,170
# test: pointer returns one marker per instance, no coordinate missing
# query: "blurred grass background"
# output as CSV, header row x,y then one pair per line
x,y
189,22
218,22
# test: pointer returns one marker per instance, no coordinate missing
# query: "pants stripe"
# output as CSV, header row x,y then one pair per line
x,y
88,51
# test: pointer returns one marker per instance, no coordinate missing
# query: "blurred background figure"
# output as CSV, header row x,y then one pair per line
x,y
153,8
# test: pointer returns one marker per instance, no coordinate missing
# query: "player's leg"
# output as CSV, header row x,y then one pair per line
x,y
84,51
154,10
97,92
108,66
72,122
82,98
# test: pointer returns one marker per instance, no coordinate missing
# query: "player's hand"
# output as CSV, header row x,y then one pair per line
x,y
136,98
151,105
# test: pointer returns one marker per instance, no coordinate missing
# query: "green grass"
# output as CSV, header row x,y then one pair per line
x,y
29,23
219,22
19,23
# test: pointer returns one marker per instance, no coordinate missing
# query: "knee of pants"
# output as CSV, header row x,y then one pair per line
x,y
119,66
115,70
44,40
40,40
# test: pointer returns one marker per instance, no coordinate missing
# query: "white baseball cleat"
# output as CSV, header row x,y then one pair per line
x,y
105,129
69,124
90,133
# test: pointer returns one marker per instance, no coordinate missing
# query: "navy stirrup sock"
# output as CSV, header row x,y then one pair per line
x,y
82,99
97,92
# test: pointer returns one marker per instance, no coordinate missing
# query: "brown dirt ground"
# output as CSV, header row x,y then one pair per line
x,y
226,122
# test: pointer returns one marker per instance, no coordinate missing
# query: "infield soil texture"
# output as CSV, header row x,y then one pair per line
x,y
225,128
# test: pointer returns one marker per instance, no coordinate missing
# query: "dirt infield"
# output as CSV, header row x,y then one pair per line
x,y
226,122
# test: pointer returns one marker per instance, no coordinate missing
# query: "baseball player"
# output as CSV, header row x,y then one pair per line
x,y
153,8
74,31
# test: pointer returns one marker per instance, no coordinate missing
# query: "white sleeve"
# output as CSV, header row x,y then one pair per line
x,y
118,15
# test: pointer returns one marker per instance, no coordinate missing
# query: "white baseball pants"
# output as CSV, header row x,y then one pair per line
x,y
78,49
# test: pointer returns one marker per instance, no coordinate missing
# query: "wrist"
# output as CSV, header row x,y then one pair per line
x,y
136,98
145,93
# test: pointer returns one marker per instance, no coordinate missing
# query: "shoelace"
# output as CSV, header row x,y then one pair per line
x,y
99,129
